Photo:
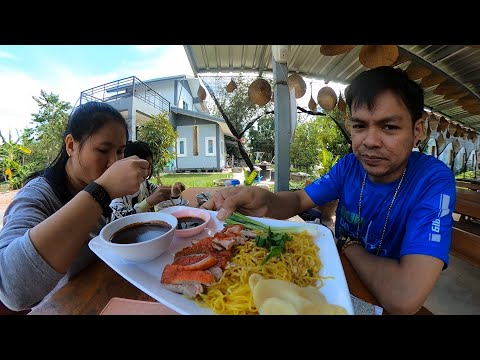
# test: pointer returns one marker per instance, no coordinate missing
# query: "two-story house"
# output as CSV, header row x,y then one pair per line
x,y
200,144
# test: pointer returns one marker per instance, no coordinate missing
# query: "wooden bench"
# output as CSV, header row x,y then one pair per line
x,y
467,185
466,244
466,231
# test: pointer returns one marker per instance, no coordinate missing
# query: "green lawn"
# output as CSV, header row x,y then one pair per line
x,y
467,175
194,180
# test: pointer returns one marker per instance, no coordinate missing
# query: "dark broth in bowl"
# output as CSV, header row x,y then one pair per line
x,y
140,232
188,222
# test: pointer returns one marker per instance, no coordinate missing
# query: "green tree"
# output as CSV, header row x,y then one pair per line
x,y
13,163
331,137
46,137
160,135
262,137
236,105
314,136
327,160
306,145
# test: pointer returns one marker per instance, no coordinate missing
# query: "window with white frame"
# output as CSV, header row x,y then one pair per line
x,y
181,147
221,147
210,146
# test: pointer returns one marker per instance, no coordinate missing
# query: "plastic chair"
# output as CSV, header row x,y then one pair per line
x,y
258,179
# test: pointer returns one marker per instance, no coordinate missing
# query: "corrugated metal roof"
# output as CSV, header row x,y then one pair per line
x,y
459,63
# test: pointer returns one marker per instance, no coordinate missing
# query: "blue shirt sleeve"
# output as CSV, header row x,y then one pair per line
x,y
429,226
327,187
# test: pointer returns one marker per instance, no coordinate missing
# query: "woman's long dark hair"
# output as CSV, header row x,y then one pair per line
x,y
86,120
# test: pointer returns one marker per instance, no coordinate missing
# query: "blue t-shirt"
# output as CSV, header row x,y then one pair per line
x,y
420,220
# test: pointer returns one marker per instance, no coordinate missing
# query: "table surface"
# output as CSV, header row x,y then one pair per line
x,y
90,291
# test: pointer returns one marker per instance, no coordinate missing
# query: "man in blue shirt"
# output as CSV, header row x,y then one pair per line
x,y
394,216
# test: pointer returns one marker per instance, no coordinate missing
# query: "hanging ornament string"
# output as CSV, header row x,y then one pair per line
x,y
388,212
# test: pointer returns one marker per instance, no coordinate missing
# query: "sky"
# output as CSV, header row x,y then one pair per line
x,y
67,70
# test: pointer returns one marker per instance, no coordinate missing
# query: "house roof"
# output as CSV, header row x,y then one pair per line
x,y
193,84
203,116
174,77
460,64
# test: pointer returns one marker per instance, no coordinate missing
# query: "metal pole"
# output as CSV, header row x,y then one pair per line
x,y
282,126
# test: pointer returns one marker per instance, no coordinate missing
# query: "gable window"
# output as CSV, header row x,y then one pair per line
x,y
210,146
185,105
181,147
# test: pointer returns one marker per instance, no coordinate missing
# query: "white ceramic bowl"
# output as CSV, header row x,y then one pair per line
x,y
172,202
140,252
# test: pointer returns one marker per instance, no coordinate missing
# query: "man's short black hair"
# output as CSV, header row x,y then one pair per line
x,y
365,88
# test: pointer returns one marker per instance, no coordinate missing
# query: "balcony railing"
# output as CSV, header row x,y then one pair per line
x,y
124,88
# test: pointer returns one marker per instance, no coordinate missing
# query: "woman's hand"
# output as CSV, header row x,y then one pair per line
x,y
124,176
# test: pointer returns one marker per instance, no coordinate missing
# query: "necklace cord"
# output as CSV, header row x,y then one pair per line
x,y
388,212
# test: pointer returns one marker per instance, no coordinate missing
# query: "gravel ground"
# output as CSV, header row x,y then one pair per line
x,y
5,199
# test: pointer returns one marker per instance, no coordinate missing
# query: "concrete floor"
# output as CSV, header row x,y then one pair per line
x,y
457,291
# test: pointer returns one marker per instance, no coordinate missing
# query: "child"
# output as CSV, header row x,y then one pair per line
x,y
148,194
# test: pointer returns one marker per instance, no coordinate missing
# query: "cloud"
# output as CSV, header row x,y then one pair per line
x,y
68,82
146,48
6,55
168,60
17,103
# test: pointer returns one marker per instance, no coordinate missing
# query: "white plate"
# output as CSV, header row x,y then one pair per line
x,y
147,276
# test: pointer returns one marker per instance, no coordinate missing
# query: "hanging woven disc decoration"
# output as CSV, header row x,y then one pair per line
x,y
443,124
312,105
296,82
415,71
333,50
232,85
260,92
342,106
201,93
372,56
327,98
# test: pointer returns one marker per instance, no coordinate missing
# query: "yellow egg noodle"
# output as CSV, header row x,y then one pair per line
x,y
300,264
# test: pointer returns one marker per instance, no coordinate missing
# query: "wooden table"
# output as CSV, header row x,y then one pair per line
x,y
90,291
